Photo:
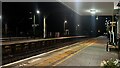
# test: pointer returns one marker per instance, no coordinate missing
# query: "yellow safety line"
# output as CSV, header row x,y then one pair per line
x,y
72,55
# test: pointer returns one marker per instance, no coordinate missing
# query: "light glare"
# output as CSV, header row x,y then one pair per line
x,y
97,18
93,11
38,11
65,21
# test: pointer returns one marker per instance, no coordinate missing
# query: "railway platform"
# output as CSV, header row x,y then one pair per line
x,y
90,52
93,55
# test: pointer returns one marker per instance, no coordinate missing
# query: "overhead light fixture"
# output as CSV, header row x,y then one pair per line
x,y
92,11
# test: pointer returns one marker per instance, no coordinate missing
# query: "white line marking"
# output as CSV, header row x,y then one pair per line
x,y
34,60
38,55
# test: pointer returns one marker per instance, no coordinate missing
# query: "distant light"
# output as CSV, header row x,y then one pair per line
x,y
106,18
0,17
30,18
65,21
98,30
106,21
78,25
38,11
97,18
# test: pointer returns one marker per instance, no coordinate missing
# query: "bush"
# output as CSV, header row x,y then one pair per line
x,y
111,64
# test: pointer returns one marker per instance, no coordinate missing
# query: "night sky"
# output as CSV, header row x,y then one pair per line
x,y
16,16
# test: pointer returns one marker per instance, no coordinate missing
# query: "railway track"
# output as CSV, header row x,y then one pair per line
x,y
66,52
9,58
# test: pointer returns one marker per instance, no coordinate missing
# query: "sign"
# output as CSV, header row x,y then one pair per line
x,y
35,25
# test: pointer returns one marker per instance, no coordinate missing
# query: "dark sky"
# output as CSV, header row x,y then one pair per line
x,y
17,15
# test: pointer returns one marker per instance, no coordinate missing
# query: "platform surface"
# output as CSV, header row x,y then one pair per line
x,y
90,56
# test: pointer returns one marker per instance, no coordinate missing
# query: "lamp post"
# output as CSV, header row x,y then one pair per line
x,y
34,25
44,27
77,27
65,25
65,22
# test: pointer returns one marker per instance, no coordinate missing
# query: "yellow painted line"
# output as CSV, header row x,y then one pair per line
x,y
26,59
72,55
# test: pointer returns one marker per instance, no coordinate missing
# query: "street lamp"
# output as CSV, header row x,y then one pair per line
x,y
77,27
38,11
66,30
34,24
65,22
44,27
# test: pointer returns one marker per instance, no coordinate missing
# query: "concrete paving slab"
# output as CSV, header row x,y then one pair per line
x,y
92,55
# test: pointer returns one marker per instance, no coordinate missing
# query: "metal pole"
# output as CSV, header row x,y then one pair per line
x,y
34,25
64,27
44,28
65,22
